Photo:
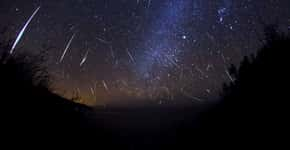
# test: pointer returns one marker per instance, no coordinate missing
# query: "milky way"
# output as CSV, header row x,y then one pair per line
x,y
133,51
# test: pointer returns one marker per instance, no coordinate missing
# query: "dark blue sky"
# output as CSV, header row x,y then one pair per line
x,y
136,50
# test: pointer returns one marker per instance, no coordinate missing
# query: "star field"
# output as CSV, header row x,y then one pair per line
x,y
119,51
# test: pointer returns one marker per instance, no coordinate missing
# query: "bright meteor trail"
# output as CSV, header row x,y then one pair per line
x,y
85,58
23,30
66,48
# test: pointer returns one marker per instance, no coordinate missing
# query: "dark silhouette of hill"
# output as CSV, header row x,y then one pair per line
x,y
31,112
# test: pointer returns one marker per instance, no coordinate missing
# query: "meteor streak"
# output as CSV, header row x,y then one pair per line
x,y
66,48
230,77
85,58
105,86
130,55
23,30
103,40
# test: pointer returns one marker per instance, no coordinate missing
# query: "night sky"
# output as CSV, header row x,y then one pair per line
x,y
133,51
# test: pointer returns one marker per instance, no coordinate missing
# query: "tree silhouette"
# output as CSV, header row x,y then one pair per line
x,y
252,108
31,111
27,104
253,105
